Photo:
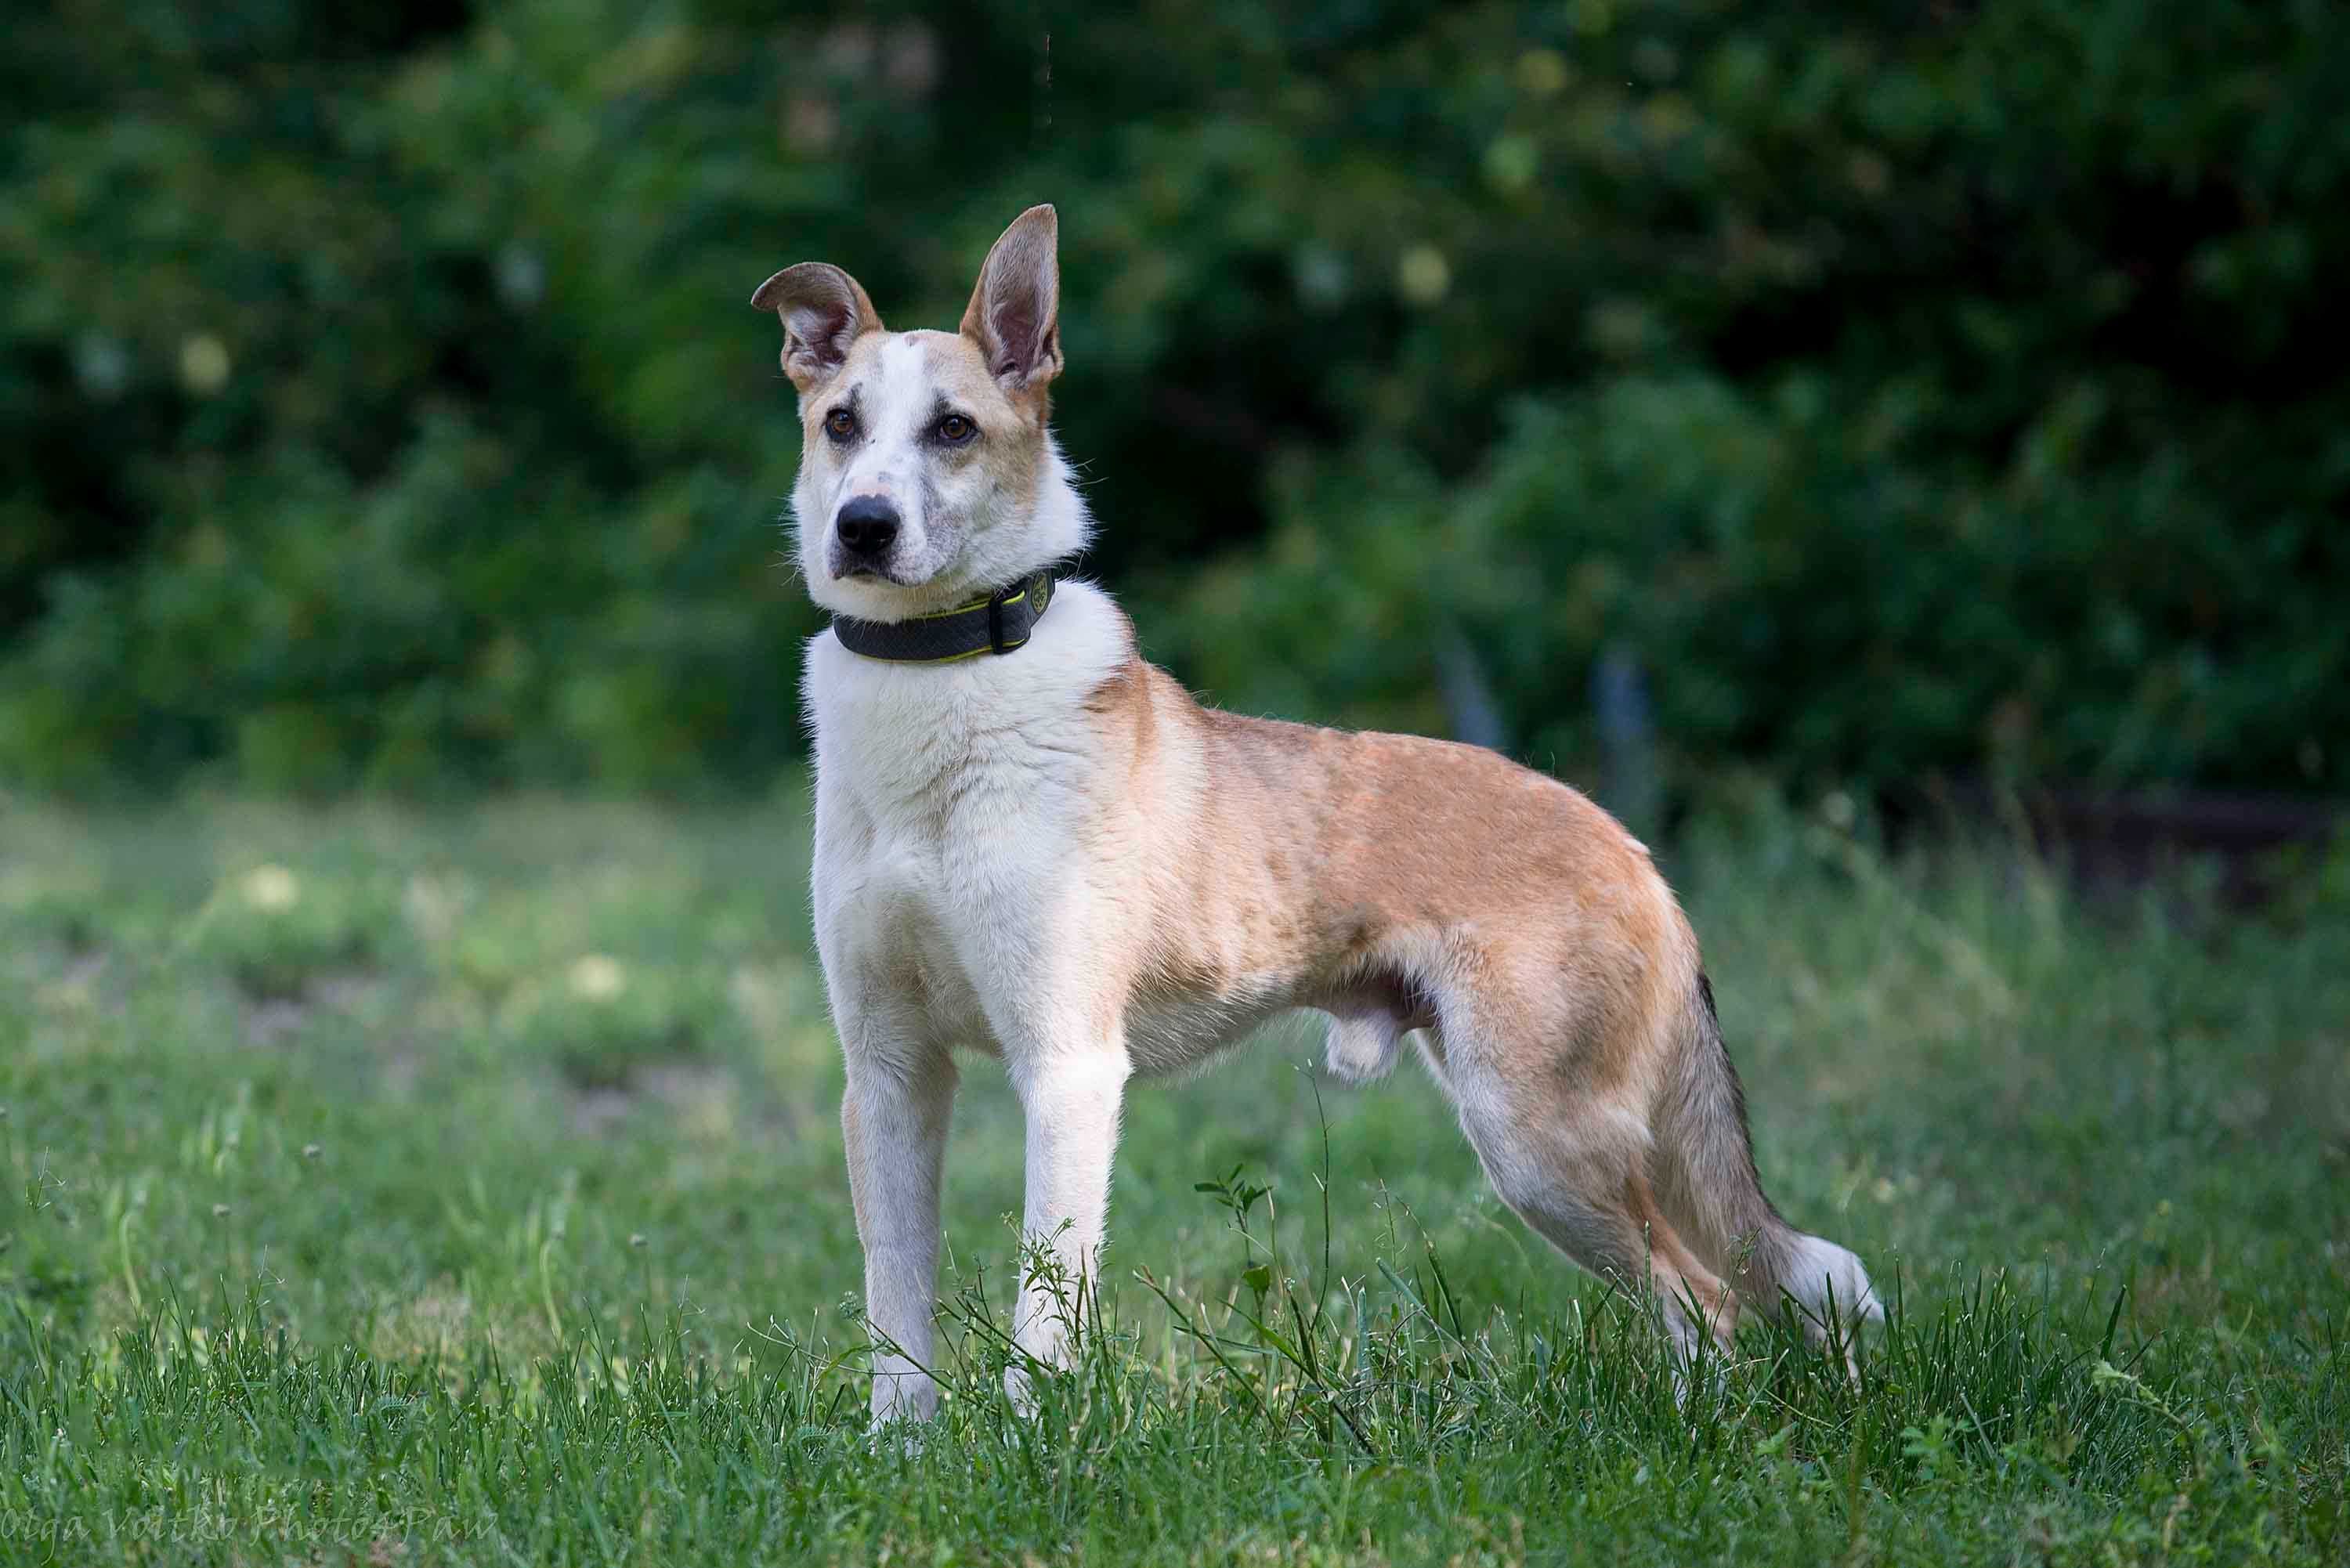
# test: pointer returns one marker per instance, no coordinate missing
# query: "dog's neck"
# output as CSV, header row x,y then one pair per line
x,y
997,623
897,735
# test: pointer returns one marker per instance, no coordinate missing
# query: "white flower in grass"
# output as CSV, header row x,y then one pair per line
x,y
597,978
270,888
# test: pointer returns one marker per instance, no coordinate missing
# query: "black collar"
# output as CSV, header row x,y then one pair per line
x,y
997,623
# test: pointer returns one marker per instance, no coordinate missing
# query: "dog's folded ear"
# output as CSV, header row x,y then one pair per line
x,y
825,310
1015,314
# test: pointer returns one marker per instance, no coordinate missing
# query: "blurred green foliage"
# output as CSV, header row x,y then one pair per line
x,y
1935,387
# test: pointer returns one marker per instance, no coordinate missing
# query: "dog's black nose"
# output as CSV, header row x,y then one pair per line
x,y
867,524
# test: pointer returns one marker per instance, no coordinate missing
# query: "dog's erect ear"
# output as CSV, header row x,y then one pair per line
x,y
1015,314
824,311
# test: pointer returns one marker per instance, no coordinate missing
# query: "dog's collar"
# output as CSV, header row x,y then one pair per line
x,y
994,623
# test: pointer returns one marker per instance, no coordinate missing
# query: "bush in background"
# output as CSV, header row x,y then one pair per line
x,y
1905,389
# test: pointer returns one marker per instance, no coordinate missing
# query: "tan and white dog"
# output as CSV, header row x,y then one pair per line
x,y
1049,852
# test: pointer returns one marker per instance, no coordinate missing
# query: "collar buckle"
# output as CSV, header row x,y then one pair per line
x,y
995,619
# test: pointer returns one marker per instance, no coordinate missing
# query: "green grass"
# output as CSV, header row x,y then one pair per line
x,y
390,1186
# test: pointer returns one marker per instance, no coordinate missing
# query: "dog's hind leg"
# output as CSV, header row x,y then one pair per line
x,y
1573,1168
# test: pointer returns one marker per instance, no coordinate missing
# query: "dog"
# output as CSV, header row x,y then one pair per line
x,y
1033,844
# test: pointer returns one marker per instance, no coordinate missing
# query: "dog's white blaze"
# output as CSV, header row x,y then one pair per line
x,y
894,403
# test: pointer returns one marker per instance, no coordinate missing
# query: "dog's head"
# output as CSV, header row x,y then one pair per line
x,y
927,472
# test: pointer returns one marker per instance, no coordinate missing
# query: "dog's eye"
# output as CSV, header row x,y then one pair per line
x,y
955,430
840,424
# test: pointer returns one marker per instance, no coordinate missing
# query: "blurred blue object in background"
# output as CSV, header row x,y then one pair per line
x,y
1630,785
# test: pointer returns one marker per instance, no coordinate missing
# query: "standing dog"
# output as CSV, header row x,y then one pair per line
x,y
1031,843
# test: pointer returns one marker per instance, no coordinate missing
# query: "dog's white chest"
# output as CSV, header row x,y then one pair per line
x,y
948,801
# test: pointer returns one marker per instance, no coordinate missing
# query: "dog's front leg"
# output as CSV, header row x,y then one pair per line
x,y
893,1121
1071,1101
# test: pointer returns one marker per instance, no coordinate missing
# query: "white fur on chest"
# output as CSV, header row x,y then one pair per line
x,y
948,801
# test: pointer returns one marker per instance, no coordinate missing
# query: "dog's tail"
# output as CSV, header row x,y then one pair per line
x,y
1705,1174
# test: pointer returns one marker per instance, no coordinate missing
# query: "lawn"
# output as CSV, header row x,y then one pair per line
x,y
392,1185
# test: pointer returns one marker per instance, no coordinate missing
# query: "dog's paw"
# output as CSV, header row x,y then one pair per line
x,y
904,1437
1020,1388
904,1397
